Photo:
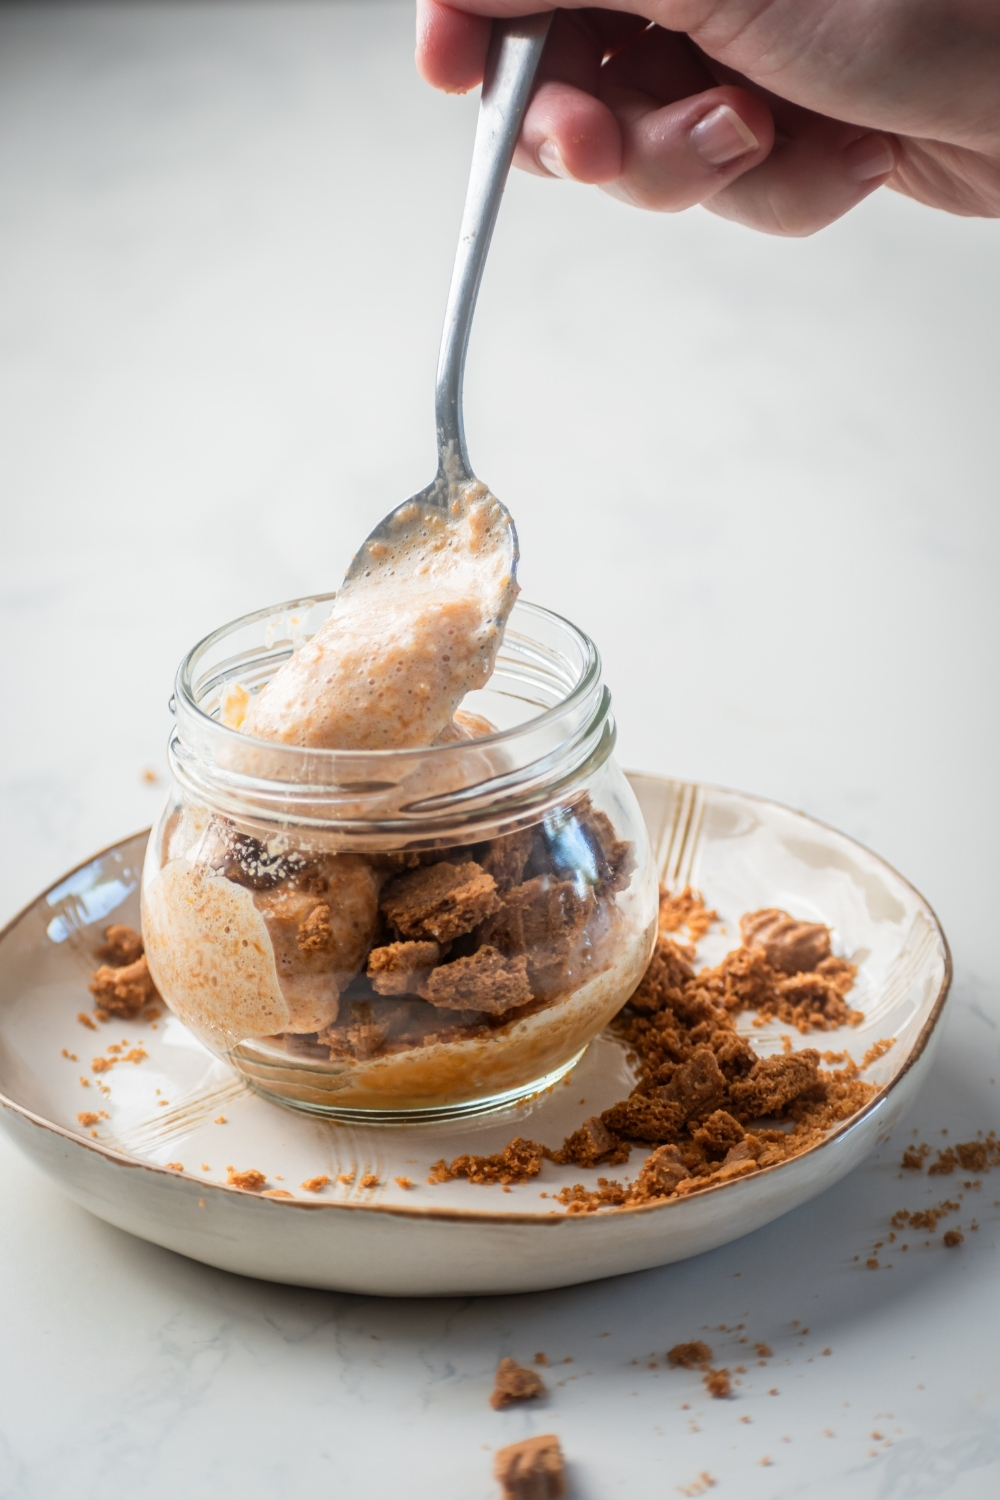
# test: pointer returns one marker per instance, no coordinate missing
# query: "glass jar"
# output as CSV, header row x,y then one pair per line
x,y
399,934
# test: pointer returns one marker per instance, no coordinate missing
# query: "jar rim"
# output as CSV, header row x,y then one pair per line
x,y
186,700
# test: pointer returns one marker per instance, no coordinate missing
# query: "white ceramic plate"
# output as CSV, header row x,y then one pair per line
x,y
453,1238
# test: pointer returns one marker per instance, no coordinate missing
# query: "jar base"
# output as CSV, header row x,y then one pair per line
x,y
279,1085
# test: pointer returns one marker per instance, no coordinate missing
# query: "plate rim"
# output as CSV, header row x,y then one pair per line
x,y
507,1217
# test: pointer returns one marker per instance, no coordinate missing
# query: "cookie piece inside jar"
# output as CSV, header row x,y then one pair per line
x,y
401,968
370,1027
580,842
485,980
440,902
506,857
322,922
465,938
543,921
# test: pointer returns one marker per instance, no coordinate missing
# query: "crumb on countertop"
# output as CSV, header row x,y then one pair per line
x,y
515,1383
718,1383
531,1470
692,1356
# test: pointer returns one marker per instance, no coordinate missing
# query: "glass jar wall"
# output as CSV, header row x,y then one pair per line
x,y
400,934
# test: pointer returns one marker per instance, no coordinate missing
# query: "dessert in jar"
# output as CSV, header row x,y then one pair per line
x,y
399,874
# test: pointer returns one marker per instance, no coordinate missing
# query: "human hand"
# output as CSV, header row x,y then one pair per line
x,y
780,114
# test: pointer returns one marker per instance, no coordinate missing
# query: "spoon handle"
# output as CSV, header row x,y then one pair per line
x,y
511,62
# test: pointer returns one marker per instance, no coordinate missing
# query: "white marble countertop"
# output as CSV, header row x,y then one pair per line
x,y
762,474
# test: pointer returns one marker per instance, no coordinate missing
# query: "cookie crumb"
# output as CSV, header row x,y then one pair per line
x,y
953,1237
251,1181
701,1484
515,1382
876,1050
123,991
531,1470
122,946
693,1356
686,910
718,1383
403,1182
519,1161
315,1184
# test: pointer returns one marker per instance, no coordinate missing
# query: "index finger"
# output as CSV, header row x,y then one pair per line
x,y
451,46
451,43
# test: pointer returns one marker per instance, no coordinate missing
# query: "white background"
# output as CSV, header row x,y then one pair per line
x,y
762,474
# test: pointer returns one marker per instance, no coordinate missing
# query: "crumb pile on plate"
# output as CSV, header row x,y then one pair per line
x,y
712,1108
123,985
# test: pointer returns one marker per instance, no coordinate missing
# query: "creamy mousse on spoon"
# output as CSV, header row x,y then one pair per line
x,y
415,626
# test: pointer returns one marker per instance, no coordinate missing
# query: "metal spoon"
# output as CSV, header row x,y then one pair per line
x,y
511,62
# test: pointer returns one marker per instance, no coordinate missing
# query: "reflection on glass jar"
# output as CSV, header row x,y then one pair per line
x,y
406,933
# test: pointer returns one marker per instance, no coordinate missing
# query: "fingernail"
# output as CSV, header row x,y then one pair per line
x,y
721,137
871,156
551,159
